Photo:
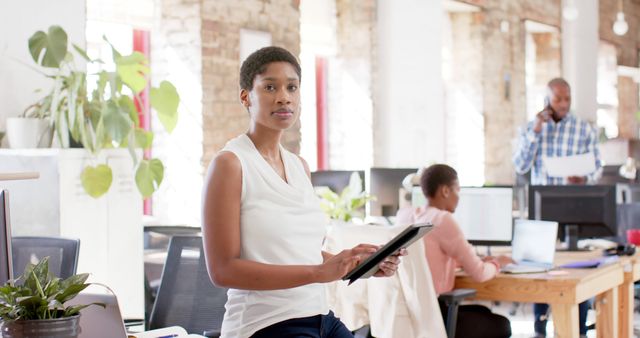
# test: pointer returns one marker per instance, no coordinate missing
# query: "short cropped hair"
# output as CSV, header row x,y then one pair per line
x,y
257,62
435,176
558,81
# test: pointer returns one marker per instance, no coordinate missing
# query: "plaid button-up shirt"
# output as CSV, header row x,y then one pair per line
x,y
570,136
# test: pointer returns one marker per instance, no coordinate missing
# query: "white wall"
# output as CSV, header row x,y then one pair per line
x,y
408,105
18,21
579,52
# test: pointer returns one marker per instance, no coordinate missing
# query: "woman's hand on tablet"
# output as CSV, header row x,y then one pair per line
x,y
337,266
389,266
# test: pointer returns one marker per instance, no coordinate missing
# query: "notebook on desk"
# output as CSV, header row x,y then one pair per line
x,y
533,246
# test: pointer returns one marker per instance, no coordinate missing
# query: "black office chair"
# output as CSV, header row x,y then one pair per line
x,y
62,253
186,296
449,303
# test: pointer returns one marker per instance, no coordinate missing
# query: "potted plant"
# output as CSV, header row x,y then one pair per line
x,y
32,129
32,306
98,111
348,204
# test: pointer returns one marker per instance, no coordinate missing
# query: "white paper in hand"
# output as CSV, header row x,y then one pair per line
x,y
565,166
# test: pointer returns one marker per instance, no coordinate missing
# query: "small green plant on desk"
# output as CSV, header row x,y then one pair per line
x,y
33,304
348,203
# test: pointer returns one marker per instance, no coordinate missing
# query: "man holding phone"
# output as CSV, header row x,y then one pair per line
x,y
556,132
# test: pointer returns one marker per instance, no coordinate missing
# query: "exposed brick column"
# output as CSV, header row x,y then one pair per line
x,y
504,97
627,46
223,116
627,108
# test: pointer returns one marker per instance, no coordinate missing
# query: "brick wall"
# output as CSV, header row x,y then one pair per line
x,y
627,48
627,108
503,79
223,116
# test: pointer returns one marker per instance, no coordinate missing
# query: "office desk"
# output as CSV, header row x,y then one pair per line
x,y
562,292
631,268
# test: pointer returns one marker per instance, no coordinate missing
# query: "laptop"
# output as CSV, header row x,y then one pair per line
x,y
98,322
533,246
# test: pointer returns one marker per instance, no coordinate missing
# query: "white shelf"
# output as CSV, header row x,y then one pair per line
x,y
19,176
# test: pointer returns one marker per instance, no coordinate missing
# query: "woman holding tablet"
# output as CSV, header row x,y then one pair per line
x,y
446,249
262,223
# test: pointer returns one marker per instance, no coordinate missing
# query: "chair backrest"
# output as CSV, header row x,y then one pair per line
x,y
186,296
62,252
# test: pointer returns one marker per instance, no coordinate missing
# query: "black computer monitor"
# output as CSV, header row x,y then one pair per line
x,y
583,211
336,180
6,263
385,184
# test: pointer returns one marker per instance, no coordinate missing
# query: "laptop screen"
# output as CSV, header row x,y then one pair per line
x,y
534,241
97,322
6,268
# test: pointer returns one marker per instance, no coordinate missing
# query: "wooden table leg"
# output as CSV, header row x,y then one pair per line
x,y
565,320
625,302
607,314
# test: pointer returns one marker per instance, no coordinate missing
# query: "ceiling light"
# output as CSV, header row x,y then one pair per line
x,y
620,27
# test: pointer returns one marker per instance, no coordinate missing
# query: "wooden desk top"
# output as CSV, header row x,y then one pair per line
x,y
573,287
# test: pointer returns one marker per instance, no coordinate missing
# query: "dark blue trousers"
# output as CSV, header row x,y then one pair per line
x,y
320,326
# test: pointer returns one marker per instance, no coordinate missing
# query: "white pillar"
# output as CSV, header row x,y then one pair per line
x,y
580,58
408,104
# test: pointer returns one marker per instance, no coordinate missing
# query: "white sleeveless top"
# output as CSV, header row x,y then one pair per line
x,y
280,223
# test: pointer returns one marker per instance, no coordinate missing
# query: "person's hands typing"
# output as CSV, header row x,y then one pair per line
x,y
501,260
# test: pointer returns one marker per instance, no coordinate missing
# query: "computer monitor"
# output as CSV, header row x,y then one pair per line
x,y
336,180
385,184
583,211
485,215
6,263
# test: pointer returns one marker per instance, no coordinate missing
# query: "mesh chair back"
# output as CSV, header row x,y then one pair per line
x,y
186,296
62,252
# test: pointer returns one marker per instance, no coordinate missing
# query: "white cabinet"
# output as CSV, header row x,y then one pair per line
x,y
109,228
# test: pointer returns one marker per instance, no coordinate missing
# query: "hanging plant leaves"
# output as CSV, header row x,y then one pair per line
x,y
53,44
149,176
117,123
165,101
96,180
144,139
133,70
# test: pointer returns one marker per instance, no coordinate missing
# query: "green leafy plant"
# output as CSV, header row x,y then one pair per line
x,y
37,294
348,203
104,116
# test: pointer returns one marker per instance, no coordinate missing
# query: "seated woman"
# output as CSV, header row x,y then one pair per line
x,y
446,248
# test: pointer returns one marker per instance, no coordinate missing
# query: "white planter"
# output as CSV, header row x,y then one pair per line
x,y
29,132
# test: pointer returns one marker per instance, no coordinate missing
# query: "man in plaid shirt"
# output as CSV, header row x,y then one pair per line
x,y
555,132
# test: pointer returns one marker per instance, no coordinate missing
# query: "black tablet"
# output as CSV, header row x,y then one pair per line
x,y
369,266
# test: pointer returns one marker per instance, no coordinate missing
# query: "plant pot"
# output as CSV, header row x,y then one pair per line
x,y
29,133
68,327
